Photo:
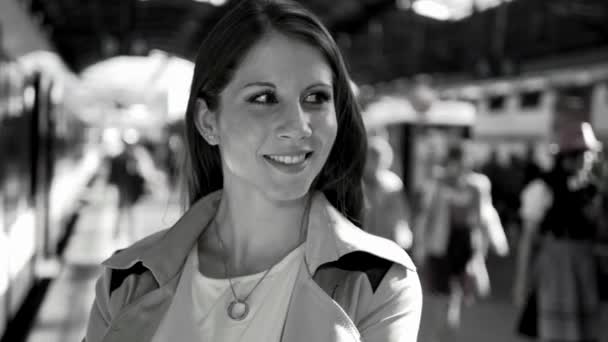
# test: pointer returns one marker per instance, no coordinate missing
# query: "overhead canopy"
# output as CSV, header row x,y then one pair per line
x,y
449,113
392,110
518,33
158,85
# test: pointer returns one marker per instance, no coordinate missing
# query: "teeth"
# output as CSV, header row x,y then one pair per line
x,y
295,159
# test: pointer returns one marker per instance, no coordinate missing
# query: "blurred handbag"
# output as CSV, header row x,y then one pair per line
x,y
601,262
600,253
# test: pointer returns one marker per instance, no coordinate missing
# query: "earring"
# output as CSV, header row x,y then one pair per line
x,y
210,138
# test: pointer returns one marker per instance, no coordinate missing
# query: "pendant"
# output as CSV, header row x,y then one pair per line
x,y
238,310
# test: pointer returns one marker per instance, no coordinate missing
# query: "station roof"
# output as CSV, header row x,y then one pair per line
x,y
381,39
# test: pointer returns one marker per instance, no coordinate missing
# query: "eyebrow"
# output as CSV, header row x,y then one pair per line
x,y
268,84
259,84
322,84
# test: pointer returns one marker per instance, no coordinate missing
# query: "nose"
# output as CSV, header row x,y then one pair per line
x,y
295,124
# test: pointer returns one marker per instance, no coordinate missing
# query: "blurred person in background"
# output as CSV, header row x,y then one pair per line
x,y
506,172
456,226
131,171
270,247
556,280
125,176
386,209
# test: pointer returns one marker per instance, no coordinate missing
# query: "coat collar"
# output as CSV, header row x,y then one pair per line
x,y
330,236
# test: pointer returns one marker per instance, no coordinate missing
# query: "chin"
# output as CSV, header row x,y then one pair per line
x,y
288,192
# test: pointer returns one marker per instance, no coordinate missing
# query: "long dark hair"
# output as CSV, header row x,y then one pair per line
x,y
220,54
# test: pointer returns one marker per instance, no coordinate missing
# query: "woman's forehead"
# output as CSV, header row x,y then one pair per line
x,y
279,59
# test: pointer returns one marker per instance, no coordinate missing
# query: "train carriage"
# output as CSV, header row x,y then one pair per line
x,y
520,112
46,163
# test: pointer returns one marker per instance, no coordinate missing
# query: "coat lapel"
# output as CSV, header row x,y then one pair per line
x,y
314,316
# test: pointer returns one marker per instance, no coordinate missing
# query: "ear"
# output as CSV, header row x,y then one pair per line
x,y
206,122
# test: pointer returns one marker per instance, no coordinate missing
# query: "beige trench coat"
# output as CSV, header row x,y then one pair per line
x,y
353,286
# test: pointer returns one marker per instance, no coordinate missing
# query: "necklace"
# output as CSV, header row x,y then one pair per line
x,y
238,309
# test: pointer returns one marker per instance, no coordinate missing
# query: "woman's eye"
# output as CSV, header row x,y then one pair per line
x,y
263,98
317,98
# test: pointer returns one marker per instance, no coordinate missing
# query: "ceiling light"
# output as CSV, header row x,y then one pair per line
x,y
432,9
213,2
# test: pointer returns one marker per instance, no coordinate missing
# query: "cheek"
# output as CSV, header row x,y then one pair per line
x,y
326,128
240,135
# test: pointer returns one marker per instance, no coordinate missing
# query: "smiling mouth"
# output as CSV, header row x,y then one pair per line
x,y
288,159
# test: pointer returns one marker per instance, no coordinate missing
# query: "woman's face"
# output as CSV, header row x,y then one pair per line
x,y
277,121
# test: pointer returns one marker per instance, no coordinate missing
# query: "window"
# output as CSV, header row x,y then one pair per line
x,y
530,99
496,102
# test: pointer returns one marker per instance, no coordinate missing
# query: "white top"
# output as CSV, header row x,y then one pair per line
x,y
199,308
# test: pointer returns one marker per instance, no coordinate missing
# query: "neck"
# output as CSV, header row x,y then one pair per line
x,y
257,231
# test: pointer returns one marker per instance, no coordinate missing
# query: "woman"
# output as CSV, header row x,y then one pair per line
x,y
457,225
269,249
126,176
556,270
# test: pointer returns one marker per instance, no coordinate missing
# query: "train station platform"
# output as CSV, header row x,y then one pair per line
x,y
63,314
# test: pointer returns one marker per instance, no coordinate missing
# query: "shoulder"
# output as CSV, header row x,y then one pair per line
x,y
394,308
128,255
125,278
382,297
126,262
334,236
369,249
386,278
374,257
374,267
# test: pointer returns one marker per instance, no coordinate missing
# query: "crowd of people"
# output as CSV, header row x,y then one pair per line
x,y
558,218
